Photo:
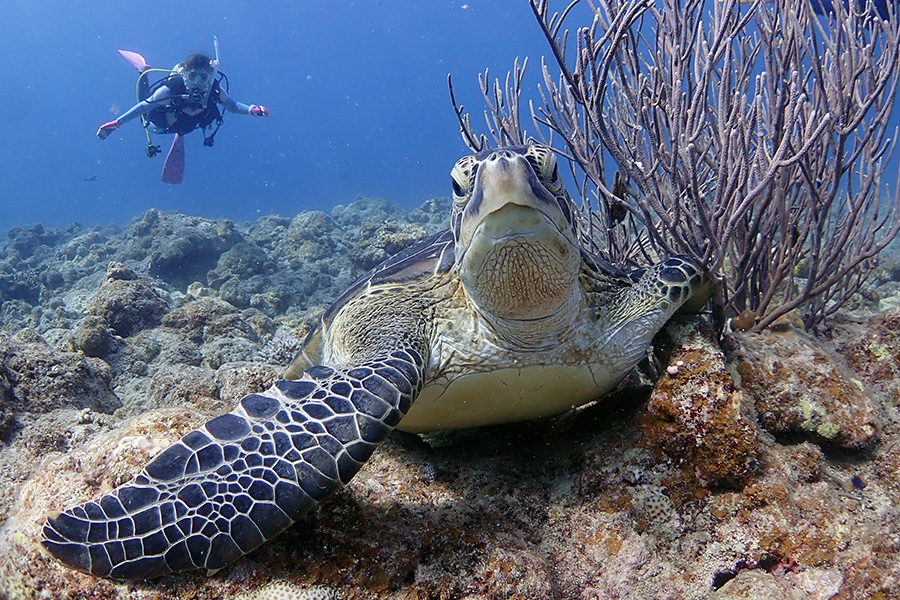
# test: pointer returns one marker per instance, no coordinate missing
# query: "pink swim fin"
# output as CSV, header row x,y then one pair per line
x,y
135,60
173,170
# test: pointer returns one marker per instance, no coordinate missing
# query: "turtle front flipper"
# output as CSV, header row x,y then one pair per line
x,y
243,477
642,309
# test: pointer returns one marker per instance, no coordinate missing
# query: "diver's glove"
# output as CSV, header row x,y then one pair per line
x,y
259,111
106,129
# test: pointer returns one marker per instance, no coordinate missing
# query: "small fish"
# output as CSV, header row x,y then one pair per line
x,y
94,177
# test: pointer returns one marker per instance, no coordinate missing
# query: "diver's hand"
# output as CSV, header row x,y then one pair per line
x,y
106,129
259,111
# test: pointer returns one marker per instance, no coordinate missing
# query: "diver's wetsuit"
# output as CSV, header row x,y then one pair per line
x,y
163,97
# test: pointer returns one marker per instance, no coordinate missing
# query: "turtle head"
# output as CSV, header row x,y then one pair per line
x,y
514,226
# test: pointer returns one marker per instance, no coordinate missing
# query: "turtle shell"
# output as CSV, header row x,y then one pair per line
x,y
433,255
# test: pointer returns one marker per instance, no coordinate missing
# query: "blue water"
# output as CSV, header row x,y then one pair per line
x,y
357,93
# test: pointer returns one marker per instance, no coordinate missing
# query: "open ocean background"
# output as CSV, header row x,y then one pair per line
x,y
357,93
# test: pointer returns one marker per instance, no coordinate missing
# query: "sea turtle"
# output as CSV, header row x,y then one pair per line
x,y
503,317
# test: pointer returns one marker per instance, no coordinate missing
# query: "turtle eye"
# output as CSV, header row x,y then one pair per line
x,y
462,175
457,189
543,162
549,168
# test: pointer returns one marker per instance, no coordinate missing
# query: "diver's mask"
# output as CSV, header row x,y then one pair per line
x,y
198,83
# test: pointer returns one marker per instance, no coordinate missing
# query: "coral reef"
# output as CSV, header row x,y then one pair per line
x,y
379,241
93,337
768,470
186,250
285,590
280,350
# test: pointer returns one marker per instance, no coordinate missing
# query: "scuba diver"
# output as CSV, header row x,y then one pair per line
x,y
185,99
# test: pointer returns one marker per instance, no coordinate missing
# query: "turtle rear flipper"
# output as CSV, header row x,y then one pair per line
x,y
243,477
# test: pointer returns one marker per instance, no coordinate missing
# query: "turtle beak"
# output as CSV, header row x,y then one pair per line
x,y
506,179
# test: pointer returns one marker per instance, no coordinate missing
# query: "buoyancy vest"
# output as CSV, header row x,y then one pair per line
x,y
171,118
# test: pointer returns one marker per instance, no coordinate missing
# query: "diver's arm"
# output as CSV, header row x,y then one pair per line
x,y
135,111
160,97
234,106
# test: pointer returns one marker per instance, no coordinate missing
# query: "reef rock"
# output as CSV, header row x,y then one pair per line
x,y
800,388
312,237
93,337
241,261
24,243
372,210
127,304
873,351
180,249
379,241
20,285
697,414
206,319
42,379
757,584
7,408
